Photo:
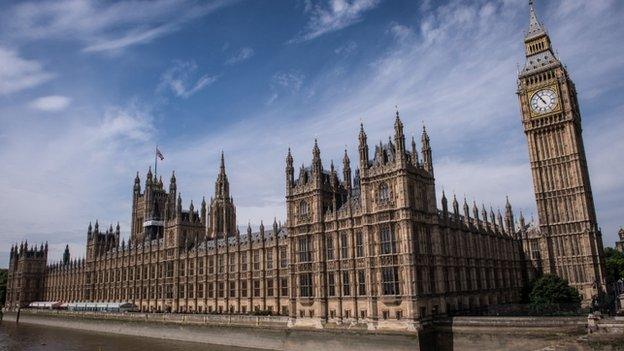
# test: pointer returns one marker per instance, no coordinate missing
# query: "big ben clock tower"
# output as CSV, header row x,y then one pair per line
x,y
570,242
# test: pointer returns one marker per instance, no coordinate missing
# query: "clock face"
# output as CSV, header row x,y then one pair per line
x,y
544,101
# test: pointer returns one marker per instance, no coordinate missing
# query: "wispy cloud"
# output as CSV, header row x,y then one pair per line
x,y
332,15
18,73
51,103
240,56
103,26
288,82
182,79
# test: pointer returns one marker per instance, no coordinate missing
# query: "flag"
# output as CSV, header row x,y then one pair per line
x,y
159,154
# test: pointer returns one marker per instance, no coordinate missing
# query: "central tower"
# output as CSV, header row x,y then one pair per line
x,y
571,242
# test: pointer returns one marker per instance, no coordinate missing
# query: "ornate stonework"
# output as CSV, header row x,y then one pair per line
x,y
370,246
570,242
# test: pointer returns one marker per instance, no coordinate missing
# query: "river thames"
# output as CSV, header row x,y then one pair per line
x,y
29,337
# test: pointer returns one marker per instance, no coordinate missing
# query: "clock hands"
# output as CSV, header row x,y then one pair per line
x,y
544,101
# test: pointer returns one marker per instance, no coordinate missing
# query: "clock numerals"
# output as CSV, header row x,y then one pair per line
x,y
544,101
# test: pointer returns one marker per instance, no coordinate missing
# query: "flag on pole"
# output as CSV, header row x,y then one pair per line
x,y
159,154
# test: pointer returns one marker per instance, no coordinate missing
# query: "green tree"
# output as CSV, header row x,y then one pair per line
x,y
614,264
3,285
551,294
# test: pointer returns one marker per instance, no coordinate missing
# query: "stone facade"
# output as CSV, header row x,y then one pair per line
x,y
619,245
569,240
370,246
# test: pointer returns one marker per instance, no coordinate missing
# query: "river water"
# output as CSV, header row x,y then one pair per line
x,y
30,337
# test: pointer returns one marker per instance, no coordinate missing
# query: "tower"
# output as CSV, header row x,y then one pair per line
x,y
222,213
571,243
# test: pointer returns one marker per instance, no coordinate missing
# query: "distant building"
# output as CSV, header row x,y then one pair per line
x,y
370,246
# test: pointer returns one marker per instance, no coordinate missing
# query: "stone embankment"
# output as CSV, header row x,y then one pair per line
x,y
274,333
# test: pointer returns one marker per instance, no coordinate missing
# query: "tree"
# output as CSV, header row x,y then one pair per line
x,y
3,285
614,264
550,294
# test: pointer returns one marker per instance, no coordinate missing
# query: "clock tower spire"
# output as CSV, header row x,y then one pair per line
x,y
570,242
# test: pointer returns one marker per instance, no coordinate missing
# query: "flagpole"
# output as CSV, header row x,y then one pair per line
x,y
156,162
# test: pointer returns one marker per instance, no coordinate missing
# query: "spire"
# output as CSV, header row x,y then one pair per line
x,y
137,183
222,186
290,170
509,218
249,228
275,227
363,148
399,138
414,153
444,204
172,183
66,255
535,27
426,150
455,206
346,169
466,209
316,158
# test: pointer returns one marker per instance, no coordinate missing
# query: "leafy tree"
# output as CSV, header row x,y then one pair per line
x,y
614,264
550,293
3,285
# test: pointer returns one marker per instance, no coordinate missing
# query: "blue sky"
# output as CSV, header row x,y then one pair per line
x,y
88,88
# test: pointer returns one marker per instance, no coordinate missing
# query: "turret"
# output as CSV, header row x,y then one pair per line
x,y
455,207
444,205
414,153
363,148
203,210
66,255
346,170
399,138
509,218
426,150
222,186
317,166
290,170
137,185
275,226
173,186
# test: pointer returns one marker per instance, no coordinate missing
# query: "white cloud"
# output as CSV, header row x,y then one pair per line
x,y
242,55
181,79
333,15
51,103
346,49
17,73
287,82
102,26
399,31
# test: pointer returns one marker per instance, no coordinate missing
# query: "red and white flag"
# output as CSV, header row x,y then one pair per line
x,y
159,154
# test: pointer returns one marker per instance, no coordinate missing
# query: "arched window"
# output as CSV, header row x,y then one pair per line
x,y
384,192
303,208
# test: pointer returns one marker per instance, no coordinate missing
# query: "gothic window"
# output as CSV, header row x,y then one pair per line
x,y
305,252
269,259
243,289
283,257
232,292
330,247
303,208
284,286
256,288
305,285
390,280
331,284
346,287
200,291
210,290
256,260
243,261
269,283
387,240
359,244
232,263
384,192
361,283
344,246
221,289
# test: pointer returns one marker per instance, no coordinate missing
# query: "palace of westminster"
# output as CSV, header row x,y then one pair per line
x,y
369,246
